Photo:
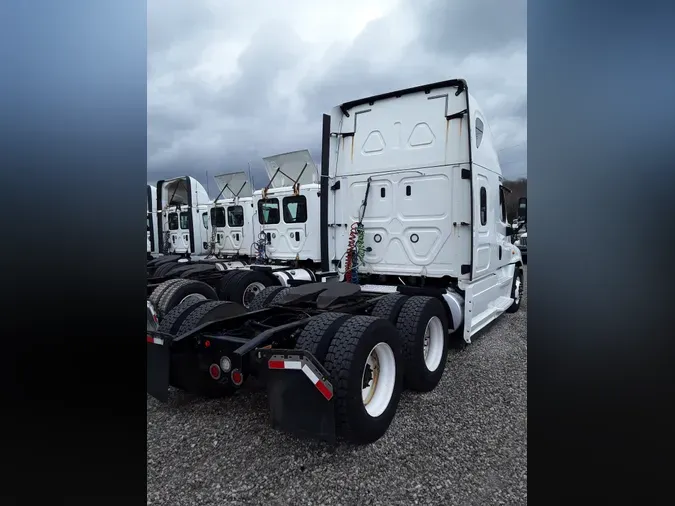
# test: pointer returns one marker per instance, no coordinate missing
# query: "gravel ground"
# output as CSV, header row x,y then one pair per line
x,y
464,443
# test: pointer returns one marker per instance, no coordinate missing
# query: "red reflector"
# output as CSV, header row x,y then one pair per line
x,y
324,390
207,343
150,339
237,377
214,371
276,364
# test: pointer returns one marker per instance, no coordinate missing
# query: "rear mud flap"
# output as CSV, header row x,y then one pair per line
x,y
157,370
299,393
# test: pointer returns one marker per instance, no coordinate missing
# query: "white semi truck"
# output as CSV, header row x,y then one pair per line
x,y
152,237
183,205
414,246
232,216
288,210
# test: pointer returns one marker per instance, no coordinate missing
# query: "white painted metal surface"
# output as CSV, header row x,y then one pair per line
x,y
289,216
417,199
233,229
435,205
176,213
152,217
286,169
378,379
434,343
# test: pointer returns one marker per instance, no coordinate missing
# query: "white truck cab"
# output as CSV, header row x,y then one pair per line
x,y
232,216
288,209
152,236
415,196
183,204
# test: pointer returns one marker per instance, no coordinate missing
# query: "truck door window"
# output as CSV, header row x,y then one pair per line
x,y
268,212
479,131
173,221
483,206
235,216
184,221
295,209
502,204
205,220
218,217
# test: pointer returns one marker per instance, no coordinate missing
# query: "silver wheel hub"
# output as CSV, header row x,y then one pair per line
x,y
193,296
378,379
251,291
433,343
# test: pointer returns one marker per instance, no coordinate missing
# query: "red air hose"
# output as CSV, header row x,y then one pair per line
x,y
349,262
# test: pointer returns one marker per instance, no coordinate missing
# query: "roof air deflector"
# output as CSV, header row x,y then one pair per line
x,y
234,184
290,169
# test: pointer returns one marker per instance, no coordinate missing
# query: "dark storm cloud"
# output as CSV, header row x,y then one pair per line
x,y
196,126
273,49
471,26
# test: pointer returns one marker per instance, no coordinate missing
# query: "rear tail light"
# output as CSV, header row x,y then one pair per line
x,y
214,371
225,364
237,377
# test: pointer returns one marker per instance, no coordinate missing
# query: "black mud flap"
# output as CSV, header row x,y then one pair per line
x,y
300,395
158,363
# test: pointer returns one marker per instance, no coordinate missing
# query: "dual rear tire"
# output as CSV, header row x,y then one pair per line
x,y
370,359
422,323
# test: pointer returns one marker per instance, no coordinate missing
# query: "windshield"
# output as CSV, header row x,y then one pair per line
x,y
235,216
268,212
184,221
173,221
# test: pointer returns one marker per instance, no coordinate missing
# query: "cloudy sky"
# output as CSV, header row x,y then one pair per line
x,y
231,81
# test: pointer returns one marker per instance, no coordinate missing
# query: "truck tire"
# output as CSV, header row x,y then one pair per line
x,y
389,306
516,291
157,292
243,285
423,325
205,312
319,332
280,295
174,318
194,269
179,291
162,260
264,298
350,356
224,282
178,269
164,269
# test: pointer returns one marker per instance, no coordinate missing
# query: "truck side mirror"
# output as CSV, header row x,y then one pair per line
x,y
522,208
509,231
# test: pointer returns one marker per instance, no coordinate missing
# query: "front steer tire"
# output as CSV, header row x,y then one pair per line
x,y
517,286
